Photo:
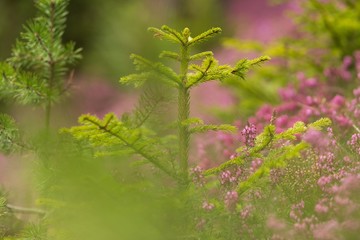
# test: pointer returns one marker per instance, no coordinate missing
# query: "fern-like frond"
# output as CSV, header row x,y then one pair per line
x,y
201,55
290,133
168,34
200,127
264,139
191,121
159,69
210,70
210,127
203,73
111,132
171,55
136,79
320,124
205,36
243,66
149,101
237,161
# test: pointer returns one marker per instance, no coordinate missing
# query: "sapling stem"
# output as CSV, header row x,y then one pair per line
x,y
183,114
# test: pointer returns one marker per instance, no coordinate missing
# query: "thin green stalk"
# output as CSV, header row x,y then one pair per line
x,y
47,115
183,114
51,66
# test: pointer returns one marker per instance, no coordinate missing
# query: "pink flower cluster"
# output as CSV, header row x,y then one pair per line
x,y
230,200
197,176
249,133
354,142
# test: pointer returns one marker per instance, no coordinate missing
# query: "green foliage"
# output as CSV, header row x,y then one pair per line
x,y
23,87
110,132
270,149
35,72
10,140
132,135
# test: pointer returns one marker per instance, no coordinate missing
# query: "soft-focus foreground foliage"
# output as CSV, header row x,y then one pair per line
x,y
288,170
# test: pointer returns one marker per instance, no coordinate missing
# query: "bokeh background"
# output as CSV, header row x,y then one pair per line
x,y
109,31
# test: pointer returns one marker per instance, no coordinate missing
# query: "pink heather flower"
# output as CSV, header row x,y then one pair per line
x,y
347,61
225,139
352,225
326,161
354,142
349,184
287,93
342,201
321,206
323,181
249,132
245,212
343,121
345,74
330,135
208,206
275,224
347,159
309,83
255,164
315,138
297,211
227,153
286,107
227,177
265,112
338,101
300,226
301,76
234,155
326,230
197,175
282,121
356,92
231,199
276,175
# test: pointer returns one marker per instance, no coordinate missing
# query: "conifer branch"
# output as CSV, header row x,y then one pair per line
x,y
201,55
148,103
238,161
204,36
277,159
40,52
168,54
174,33
163,34
129,144
111,132
159,68
210,127
243,66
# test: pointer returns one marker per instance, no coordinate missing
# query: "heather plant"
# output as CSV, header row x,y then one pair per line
x,y
290,171
321,44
